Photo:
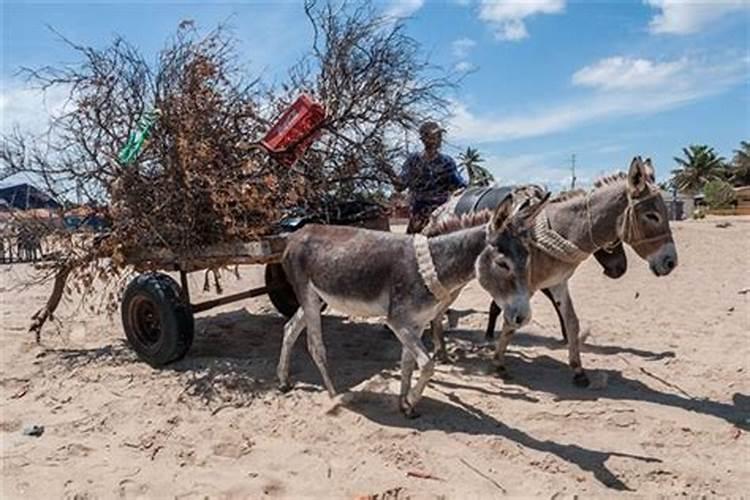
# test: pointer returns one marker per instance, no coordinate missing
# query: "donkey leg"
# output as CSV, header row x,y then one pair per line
x,y
408,363
561,295
560,318
292,330
438,332
492,321
412,344
315,339
438,339
500,347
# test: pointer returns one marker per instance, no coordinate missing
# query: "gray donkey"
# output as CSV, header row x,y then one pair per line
x,y
409,279
626,207
613,259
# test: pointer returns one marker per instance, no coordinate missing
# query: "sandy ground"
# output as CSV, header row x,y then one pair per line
x,y
669,357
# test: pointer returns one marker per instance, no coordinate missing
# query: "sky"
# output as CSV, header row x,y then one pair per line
x,y
544,80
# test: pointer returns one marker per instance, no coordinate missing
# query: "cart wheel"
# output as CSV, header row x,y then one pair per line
x,y
157,321
280,291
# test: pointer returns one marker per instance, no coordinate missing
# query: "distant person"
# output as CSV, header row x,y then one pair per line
x,y
430,177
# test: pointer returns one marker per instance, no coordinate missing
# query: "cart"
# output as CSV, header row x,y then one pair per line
x,y
157,312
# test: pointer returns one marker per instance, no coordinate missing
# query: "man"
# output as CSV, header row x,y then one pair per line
x,y
430,176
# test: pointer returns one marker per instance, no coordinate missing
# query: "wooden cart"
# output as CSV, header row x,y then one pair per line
x,y
157,313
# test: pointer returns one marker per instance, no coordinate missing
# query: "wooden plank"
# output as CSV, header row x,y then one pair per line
x,y
261,251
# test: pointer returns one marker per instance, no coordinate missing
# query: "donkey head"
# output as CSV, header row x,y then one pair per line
x,y
502,267
645,223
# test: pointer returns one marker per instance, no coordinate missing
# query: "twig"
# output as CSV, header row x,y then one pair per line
x,y
668,384
423,475
488,478
658,378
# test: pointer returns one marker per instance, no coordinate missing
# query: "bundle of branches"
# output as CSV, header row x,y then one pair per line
x,y
376,88
195,183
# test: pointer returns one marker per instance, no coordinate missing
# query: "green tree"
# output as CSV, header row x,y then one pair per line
x,y
740,167
478,175
699,164
719,194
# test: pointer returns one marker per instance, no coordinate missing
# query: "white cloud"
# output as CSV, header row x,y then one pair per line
x,y
683,17
695,80
462,47
27,108
628,73
507,16
464,67
403,8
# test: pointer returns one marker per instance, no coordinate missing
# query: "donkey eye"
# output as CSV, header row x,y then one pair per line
x,y
653,217
503,265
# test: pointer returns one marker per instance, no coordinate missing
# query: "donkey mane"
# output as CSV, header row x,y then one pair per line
x,y
454,223
610,179
573,194
567,195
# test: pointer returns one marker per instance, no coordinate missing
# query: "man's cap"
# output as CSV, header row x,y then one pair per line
x,y
430,128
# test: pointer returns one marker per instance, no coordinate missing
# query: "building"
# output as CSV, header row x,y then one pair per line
x,y
743,200
26,197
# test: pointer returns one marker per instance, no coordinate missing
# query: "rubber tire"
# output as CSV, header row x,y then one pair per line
x,y
176,324
280,291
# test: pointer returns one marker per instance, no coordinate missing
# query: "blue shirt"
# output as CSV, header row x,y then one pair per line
x,y
430,182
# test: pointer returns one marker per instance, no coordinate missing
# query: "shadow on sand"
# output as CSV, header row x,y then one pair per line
x,y
235,353
465,418
543,374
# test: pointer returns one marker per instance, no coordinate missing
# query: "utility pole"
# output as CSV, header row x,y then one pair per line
x,y
573,171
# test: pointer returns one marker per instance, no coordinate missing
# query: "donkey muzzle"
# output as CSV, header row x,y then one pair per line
x,y
664,261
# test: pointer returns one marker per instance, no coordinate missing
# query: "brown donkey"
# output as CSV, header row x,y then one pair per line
x,y
612,259
409,279
625,207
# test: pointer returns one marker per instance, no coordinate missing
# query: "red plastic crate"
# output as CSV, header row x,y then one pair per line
x,y
296,129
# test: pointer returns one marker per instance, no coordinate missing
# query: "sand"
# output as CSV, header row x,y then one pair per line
x,y
667,414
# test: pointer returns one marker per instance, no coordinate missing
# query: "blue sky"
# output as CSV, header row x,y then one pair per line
x,y
545,79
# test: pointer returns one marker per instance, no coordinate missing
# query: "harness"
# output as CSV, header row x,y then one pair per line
x,y
478,198
426,268
553,243
629,231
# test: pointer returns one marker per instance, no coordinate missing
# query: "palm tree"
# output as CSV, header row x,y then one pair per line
x,y
478,175
740,167
699,165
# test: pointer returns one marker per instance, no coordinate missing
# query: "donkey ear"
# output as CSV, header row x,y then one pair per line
x,y
651,174
526,215
502,213
637,177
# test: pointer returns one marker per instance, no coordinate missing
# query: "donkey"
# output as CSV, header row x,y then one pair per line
x,y
622,207
612,259
408,279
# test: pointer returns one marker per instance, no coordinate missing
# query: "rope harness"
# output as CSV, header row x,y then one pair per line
x,y
548,241
426,268
557,246
553,243
631,232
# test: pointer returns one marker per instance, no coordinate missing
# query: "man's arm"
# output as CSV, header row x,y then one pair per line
x,y
405,178
455,178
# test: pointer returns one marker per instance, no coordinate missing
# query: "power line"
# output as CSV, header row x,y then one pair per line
x,y
573,171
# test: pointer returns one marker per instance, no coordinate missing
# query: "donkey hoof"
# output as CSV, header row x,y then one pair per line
x,y
285,387
581,379
407,409
503,373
